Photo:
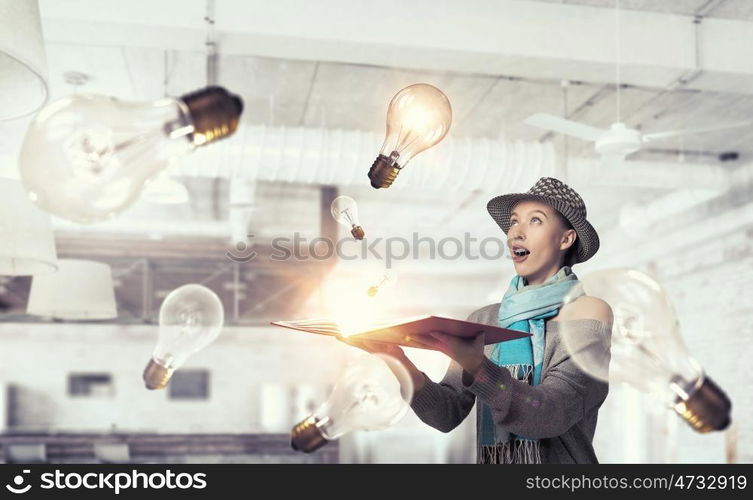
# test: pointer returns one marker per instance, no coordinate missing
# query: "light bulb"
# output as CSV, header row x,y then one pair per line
x,y
647,350
86,158
190,318
345,211
419,116
372,393
163,190
387,280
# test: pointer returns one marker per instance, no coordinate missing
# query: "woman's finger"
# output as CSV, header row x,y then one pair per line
x,y
449,340
378,346
427,342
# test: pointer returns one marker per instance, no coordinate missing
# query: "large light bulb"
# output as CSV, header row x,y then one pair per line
x,y
647,350
372,393
163,190
419,116
86,158
190,318
345,211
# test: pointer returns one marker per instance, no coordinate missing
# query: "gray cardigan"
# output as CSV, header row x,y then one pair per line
x,y
567,399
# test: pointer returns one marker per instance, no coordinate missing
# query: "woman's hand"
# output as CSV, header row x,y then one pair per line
x,y
468,353
375,347
419,379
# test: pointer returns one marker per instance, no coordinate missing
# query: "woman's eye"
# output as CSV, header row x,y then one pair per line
x,y
536,218
512,222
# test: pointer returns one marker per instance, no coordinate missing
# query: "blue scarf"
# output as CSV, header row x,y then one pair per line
x,y
524,308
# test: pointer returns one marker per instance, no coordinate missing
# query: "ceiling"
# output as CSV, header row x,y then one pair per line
x,y
321,84
724,9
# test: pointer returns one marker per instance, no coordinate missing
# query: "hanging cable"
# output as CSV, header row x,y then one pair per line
x,y
211,44
565,85
617,54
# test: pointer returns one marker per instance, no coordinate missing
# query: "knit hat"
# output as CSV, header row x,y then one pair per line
x,y
562,198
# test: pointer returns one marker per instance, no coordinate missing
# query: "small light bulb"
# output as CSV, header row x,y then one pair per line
x,y
387,280
345,211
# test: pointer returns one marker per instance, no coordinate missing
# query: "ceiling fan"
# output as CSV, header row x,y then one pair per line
x,y
618,140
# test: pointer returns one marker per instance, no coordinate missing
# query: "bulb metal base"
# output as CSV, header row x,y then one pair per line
x,y
156,376
358,232
215,113
383,172
306,436
707,409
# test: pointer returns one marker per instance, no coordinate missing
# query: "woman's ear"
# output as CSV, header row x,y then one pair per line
x,y
568,239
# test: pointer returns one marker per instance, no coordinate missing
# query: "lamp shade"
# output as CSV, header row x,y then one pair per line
x,y
23,62
80,290
27,245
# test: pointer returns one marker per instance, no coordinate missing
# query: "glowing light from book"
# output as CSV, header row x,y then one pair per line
x,y
373,392
347,304
646,349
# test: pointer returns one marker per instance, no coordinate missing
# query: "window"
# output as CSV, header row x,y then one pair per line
x,y
90,385
189,384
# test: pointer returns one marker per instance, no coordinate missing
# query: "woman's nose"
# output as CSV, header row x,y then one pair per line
x,y
516,234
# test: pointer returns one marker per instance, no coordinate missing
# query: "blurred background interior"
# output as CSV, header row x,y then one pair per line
x,y
316,78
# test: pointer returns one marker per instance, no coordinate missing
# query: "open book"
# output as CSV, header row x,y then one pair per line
x,y
403,332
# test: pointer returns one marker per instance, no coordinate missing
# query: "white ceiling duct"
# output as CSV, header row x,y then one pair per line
x,y
662,229
23,62
652,175
637,220
343,157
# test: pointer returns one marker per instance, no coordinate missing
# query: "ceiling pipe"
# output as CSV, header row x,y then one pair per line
x,y
651,175
342,157
705,216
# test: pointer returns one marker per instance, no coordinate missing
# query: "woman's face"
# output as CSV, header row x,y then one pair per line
x,y
537,228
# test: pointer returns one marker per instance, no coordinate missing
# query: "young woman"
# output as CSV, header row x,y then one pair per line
x,y
534,404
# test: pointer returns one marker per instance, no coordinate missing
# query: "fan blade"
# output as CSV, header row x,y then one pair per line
x,y
675,133
612,160
567,127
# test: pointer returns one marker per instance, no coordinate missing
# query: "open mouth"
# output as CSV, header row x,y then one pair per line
x,y
520,254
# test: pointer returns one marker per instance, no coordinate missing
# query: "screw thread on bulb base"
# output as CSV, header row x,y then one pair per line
x,y
156,376
707,409
358,232
383,172
215,113
306,436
